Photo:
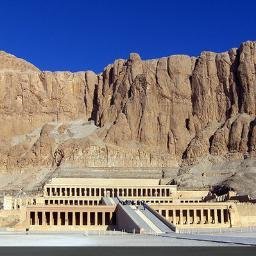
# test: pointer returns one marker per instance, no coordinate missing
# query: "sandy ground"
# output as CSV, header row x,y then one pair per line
x,y
83,239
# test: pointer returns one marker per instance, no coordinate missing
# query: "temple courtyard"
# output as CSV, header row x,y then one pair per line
x,y
123,239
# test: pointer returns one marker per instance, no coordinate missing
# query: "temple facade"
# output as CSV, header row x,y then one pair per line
x,y
68,204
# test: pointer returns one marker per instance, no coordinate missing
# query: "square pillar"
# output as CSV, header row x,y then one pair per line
x,y
174,217
43,219
201,216
221,216
88,219
51,218
208,216
194,217
96,218
103,219
73,218
66,218
215,216
188,217
81,218
59,219
36,218
110,218
181,217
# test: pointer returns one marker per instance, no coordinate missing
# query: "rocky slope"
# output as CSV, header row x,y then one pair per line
x,y
167,112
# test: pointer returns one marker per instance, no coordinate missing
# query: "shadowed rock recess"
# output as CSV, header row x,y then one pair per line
x,y
172,112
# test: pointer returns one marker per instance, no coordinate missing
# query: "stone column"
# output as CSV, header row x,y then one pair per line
x,y
51,218
110,217
96,218
103,219
73,218
66,218
36,218
202,216
181,217
194,217
215,216
88,219
43,219
58,219
188,217
81,218
208,216
221,216
174,217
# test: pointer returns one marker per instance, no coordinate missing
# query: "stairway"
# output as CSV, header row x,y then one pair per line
x,y
138,217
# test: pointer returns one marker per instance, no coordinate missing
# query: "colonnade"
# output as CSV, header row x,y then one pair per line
x,y
195,216
71,218
18,202
106,191
64,201
71,202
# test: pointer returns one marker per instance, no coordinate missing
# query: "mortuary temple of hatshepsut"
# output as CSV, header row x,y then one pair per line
x,y
131,205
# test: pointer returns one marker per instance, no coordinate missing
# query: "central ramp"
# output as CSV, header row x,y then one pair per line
x,y
110,200
140,219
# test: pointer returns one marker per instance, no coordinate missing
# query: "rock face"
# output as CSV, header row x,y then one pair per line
x,y
155,113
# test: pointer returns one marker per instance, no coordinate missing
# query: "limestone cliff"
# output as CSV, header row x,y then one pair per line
x,y
153,113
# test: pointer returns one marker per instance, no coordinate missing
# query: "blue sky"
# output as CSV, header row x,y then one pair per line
x,y
80,35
